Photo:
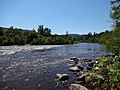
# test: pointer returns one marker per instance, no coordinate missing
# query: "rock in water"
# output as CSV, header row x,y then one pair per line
x,y
62,77
74,69
74,58
77,87
80,67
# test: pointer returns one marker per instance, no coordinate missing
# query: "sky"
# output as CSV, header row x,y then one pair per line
x,y
74,16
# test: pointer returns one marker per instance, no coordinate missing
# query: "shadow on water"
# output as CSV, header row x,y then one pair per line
x,y
36,69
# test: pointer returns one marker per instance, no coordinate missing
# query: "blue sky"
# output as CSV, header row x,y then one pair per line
x,y
74,16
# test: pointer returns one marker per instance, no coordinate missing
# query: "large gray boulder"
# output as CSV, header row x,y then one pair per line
x,y
77,87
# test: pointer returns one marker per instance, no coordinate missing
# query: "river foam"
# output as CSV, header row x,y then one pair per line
x,y
6,50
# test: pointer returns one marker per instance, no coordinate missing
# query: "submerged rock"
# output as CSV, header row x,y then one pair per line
x,y
77,87
88,60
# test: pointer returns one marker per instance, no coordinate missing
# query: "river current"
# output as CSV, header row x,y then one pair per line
x,y
34,67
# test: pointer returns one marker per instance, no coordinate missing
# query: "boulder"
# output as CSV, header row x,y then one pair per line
x,y
89,68
81,68
74,69
62,77
74,59
91,63
77,87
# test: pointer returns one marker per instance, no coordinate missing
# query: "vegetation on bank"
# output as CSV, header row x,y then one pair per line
x,y
108,67
42,36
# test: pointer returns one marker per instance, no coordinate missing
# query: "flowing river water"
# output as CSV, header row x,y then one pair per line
x,y
34,67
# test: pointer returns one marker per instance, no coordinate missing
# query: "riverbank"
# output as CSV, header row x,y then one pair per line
x,y
82,69
101,74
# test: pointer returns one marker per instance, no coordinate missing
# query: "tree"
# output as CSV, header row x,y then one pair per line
x,y
47,32
1,31
113,43
32,35
115,12
40,29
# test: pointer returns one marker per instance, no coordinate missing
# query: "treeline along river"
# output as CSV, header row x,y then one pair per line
x,y
34,67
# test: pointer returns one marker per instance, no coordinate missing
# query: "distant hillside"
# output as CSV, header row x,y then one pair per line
x,y
74,35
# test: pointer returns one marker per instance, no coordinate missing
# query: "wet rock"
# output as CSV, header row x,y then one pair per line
x,y
90,64
62,77
74,69
89,68
88,60
80,67
77,87
74,59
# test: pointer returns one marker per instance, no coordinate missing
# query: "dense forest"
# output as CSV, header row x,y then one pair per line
x,y
41,36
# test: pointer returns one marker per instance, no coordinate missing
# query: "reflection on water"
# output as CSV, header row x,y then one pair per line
x,y
34,67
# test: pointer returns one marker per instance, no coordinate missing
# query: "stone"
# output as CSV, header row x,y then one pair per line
x,y
62,77
74,59
77,87
89,68
74,69
80,67
91,63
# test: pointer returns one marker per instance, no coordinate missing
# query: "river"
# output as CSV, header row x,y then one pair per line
x,y
34,67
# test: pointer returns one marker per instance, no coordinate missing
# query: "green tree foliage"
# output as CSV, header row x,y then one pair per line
x,y
115,12
112,40
15,36
109,66
44,31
